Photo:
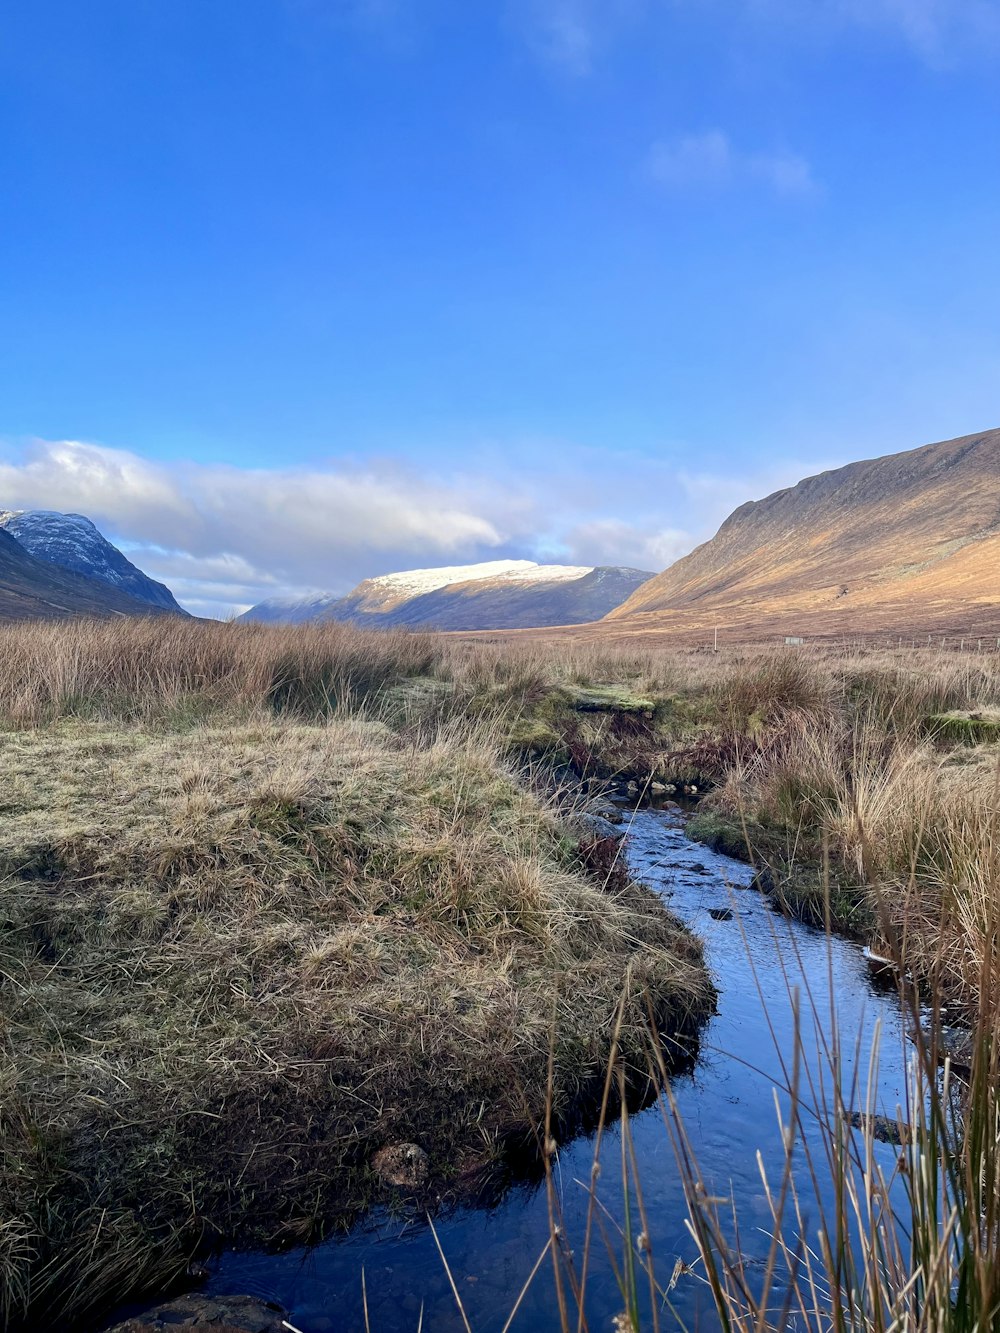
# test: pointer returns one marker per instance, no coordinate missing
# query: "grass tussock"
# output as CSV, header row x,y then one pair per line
x,y
239,957
183,670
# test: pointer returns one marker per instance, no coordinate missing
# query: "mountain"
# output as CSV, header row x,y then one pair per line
x,y
908,542
500,594
35,589
73,542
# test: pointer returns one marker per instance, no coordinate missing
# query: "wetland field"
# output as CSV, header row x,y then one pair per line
x,y
317,945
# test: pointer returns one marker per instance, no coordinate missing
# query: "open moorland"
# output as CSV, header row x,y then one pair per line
x,y
274,900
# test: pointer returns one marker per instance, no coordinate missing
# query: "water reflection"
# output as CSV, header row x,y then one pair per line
x,y
727,1104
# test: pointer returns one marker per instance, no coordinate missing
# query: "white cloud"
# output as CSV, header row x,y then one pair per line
x,y
708,161
252,530
934,27
611,541
564,35
645,538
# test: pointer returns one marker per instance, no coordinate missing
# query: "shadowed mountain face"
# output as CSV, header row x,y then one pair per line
x,y
32,588
906,542
510,594
72,541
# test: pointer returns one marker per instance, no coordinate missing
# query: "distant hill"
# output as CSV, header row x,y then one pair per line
x,y
908,542
33,589
73,542
500,594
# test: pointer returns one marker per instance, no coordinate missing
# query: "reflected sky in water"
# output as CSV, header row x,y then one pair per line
x,y
759,960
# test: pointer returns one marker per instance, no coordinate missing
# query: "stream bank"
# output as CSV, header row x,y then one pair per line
x,y
758,958
241,963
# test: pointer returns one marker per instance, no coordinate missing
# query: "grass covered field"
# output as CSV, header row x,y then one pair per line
x,y
269,903
273,899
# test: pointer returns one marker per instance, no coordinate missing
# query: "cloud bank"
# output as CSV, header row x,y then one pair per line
x,y
224,537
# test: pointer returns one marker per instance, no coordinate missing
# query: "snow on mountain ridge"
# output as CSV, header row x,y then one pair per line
x,y
515,571
496,594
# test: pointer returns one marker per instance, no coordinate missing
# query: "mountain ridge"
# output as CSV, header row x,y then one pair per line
x,y
40,589
74,542
516,594
905,539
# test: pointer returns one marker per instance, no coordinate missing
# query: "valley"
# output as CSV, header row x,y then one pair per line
x,y
311,931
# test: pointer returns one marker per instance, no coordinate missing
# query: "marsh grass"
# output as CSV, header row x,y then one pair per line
x,y
909,1240
267,889
828,765
183,670
240,954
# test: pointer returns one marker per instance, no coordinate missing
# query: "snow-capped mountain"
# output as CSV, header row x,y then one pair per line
x,y
498,594
33,589
74,543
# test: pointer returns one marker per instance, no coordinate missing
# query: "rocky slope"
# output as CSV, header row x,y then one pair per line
x,y
908,542
34,589
502,594
74,543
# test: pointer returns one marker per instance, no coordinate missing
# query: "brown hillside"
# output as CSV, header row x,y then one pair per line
x,y
906,542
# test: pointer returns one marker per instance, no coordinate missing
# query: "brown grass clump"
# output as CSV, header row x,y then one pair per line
x,y
238,959
185,669
904,818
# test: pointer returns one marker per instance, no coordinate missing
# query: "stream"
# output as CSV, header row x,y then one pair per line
x,y
757,958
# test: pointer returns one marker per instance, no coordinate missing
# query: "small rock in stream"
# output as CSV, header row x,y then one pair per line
x,y
596,826
209,1314
880,1127
402,1164
721,913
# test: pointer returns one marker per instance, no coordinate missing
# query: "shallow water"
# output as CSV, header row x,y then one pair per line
x,y
758,958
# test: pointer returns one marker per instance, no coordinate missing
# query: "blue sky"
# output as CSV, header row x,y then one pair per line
x,y
297,291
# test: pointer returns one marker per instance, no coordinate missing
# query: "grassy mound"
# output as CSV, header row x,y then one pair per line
x,y
236,960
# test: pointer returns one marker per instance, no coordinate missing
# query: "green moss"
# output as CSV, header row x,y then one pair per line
x,y
720,834
606,699
419,699
536,739
796,882
964,728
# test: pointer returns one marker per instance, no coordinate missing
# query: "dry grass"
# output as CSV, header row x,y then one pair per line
x,y
909,821
185,669
910,1242
857,751
237,956
274,898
